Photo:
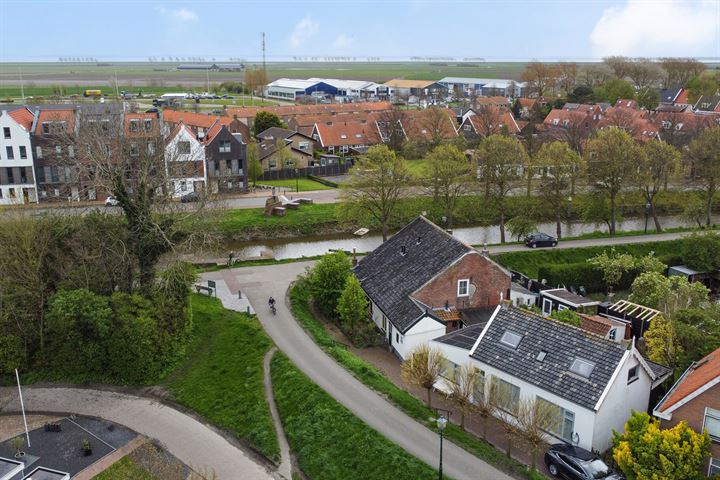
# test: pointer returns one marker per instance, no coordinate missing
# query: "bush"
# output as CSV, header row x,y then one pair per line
x,y
327,281
566,316
702,251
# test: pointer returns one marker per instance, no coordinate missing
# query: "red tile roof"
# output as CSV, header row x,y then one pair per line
x,y
419,123
497,101
501,118
528,103
635,122
347,133
23,117
572,117
595,324
214,130
695,377
192,119
286,111
56,115
448,315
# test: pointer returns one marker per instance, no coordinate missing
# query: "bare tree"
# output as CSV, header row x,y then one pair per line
x,y
643,72
594,75
488,119
534,419
390,124
506,406
463,385
423,368
484,402
660,162
541,78
619,65
679,71
567,75
376,184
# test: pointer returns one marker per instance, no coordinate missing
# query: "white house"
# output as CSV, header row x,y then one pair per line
x,y
185,162
591,383
17,178
423,282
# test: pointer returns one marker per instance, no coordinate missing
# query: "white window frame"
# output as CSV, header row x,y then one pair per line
x,y
565,416
714,463
466,281
715,415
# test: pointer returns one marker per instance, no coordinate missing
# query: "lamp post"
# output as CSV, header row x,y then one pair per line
x,y
442,422
297,181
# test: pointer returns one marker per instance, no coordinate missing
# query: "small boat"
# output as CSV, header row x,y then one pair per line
x,y
361,231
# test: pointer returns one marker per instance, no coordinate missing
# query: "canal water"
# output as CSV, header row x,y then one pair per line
x,y
317,245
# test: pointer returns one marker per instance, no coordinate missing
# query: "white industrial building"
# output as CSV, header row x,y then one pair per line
x,y
486,87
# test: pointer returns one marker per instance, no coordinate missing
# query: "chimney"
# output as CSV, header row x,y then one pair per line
x,y
403,250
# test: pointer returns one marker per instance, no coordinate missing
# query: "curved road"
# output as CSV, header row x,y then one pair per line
x,y
183,436
258,284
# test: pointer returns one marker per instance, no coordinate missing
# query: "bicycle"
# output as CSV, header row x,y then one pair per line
x,y
272,309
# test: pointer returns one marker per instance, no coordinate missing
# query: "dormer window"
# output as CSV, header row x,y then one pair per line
x,y
511,339
581,367
342,135
463,289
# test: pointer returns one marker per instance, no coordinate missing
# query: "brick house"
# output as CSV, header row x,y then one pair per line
x,y
695,398
226,160
54,142
299,146
423,283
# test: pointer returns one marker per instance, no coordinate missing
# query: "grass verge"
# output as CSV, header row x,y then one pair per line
x,y
125,469
330,442
223,379
305,184
304,221
373,378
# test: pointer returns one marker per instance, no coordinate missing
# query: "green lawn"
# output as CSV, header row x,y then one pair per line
x,y
373,378
330,442
125,469
222,379
305,184
417,167
303,221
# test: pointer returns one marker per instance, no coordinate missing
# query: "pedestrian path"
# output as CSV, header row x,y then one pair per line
x,y
285,467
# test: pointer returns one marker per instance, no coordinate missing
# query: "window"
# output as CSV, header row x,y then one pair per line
x,y
71,151
134,152
463,288
613,334
582,367
107,150
563,421
272,163
135,125
10,153
467,128
507,395
151,148
183,148
397,337
541,355
712,423
23,152
58,149
38,152
225,146
714,467
304,145
633,373
6,132
148,125
511,339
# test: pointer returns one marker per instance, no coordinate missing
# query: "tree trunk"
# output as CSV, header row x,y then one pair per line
x,y
502,227
558,225
462,419
384,231
533,458
612,214
429,397
484,427
708,220
508,447
658,227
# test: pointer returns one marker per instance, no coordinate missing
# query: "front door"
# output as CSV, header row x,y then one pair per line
x,y
547,306
390,333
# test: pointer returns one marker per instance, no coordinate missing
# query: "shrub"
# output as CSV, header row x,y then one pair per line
x,y
327,281
566,316
702,251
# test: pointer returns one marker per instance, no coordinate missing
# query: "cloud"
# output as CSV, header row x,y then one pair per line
x,y
180,15
303,30
342,41
655,29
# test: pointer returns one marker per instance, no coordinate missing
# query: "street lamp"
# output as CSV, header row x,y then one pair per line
x,y
442,422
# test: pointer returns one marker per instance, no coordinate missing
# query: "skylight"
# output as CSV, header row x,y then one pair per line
x,y
511,339
582,367
541,355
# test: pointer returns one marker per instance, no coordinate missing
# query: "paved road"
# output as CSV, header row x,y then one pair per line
x,y
258,284
186,438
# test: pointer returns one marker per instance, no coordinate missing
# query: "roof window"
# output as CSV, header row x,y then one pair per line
x,y
584,368
541,355
511,339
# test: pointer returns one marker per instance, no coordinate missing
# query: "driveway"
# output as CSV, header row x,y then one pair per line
x,y
189,440
258,284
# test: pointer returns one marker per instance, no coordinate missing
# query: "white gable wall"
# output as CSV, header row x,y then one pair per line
x,y
197,154
14,193
620,399
423,331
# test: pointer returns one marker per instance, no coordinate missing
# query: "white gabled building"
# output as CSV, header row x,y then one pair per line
x,y
17,177
185,162
591,383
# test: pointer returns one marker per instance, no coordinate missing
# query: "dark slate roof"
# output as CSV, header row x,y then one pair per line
x,y
659,370
273,133
668,95
474,316
388,277
563,343
569,297
464,338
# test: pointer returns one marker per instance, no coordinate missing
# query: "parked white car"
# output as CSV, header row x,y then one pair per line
x,y
111,201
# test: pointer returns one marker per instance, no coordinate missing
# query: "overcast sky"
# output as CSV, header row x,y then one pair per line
x,y
390,29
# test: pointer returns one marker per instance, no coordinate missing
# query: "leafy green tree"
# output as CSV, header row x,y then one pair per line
x,y
353,311
704,84
446,177
659,163
704,157
500,160
560,164
11,353
698,332
648,98
581,94
255,169
264,120
327,281
520,226
613,265
695,211
646,452
612,159
667,294
661,342
702,251
376,183
613,90
566,316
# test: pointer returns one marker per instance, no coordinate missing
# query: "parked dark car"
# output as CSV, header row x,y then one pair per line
x,y
190,197
575,463
540,240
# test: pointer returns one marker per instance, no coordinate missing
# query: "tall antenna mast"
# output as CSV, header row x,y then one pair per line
x,y
22,87
264,65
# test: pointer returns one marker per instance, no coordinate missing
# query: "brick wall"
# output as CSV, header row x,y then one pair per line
x,y
487,283
693,413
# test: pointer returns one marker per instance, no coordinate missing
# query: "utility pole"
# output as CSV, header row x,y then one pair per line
x,y
22,89
117,88
264,65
